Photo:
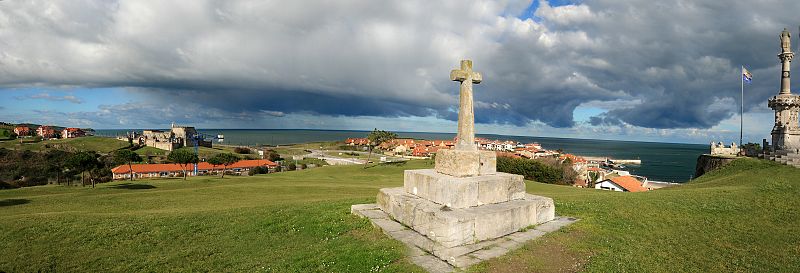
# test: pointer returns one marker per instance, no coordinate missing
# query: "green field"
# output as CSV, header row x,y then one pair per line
x,y
205,152
153,151
90,143
743,218
289,152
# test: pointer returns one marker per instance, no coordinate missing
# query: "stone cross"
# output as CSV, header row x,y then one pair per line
x,y
466,111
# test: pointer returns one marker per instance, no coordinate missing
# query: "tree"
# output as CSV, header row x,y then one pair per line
x,y
593,177
126,156
224,159
376,138
83,162
55,162
274,156
183,157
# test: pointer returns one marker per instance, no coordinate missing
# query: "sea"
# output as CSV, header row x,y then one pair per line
x,y
668,162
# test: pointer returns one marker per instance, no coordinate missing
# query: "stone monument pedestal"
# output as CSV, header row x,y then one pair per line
x,y
453,215
462,211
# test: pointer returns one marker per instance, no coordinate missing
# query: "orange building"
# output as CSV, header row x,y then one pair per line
x,y
167,170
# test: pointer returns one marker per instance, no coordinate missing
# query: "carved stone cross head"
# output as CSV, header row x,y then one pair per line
x,y
461,75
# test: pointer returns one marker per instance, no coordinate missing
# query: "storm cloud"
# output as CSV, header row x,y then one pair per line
x,y
677,60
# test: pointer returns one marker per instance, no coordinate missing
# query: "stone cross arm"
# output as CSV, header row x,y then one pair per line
x,y
465,73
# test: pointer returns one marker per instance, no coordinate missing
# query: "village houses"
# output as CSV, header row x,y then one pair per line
x,y
241,167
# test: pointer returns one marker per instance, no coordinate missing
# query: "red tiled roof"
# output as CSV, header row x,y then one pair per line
x,y
154,168
628,183
505,154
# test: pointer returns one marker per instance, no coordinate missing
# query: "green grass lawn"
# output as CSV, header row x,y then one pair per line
x,y
329,145
90,143
205,152
289,151
153,151
743,218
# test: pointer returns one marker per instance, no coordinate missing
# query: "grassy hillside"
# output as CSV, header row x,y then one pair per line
x,y
742,218
91,143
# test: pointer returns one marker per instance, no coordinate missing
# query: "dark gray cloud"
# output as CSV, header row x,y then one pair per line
x,y
677,60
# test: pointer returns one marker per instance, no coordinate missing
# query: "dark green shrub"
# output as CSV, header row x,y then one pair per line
x,y
241,150
534,170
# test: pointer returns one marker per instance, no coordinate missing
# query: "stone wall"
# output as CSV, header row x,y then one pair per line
x,y
720,149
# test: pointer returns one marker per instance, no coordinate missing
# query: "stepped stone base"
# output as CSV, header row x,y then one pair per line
x,y
787,157
436,257
452,227
463,192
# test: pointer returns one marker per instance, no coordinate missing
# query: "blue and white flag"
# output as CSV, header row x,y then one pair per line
x,y
746,76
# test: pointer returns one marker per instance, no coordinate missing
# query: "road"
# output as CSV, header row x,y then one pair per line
x,y
334,160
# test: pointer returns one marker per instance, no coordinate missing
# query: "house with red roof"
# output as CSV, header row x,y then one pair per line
x,y
22,131
46,132
72,133
621,183
356,141
241,167
425,150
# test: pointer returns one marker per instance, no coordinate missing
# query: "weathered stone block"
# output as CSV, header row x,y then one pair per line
x,y
462,192
458,226
465,163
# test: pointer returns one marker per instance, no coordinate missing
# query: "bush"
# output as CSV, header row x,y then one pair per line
x,y
241,150
315,161
303,166
349,148
258,170
292,167
544,171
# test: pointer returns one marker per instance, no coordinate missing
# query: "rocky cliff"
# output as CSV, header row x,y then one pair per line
x,y
707,163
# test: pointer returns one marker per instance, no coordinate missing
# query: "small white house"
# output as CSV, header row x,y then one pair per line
x,y
620,183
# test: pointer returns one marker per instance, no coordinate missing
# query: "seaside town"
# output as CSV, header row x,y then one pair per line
x,y
594,172
587,172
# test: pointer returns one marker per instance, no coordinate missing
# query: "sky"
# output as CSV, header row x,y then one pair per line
x,y
665,71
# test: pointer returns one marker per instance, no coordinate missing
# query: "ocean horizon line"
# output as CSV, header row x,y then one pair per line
x,y
412,132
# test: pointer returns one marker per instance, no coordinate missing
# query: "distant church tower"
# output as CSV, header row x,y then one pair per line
x,y
786,132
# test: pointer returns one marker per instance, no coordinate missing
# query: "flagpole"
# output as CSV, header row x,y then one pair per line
x,y
741,115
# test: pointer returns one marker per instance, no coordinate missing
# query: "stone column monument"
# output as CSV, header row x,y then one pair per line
x,y
463,205
786,132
